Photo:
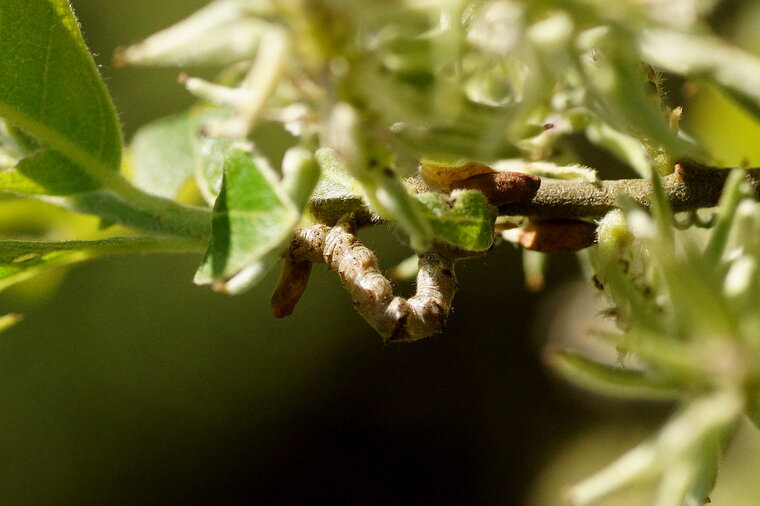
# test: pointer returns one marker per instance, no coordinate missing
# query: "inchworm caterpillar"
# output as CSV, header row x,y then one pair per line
x,y
291,285
395,318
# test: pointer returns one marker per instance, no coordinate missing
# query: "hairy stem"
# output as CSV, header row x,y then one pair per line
x,y
690,187
394,317
136,209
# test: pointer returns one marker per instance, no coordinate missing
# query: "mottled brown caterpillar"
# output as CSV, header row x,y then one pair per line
x,y
394,317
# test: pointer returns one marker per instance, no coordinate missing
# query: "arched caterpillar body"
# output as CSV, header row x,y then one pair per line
x,y
394,317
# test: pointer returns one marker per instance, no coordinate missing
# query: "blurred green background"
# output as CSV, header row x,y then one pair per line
x,y
126,384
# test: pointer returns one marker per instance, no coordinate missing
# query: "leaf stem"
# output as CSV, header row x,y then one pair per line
x,y
123,203
13,250
171,217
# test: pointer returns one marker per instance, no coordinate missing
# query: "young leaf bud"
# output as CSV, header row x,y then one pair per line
x,y
503,187
613,234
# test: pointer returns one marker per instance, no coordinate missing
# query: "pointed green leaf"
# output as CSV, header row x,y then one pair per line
x,y
609,380
50,87
336,182
209,170
733,192
252,217
222,33
51,90
391,195
300,173
163,154
169,151
47,173
337,193
702,55
462,218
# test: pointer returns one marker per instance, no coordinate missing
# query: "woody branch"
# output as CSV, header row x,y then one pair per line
x,y
690,187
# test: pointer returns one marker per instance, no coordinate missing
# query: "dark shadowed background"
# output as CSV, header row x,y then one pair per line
x,y
129,385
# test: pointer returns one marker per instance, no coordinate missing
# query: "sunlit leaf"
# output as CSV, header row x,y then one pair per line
x,y
613,381
51,88
617,84
702,55
337,192
462,218
252,216
219,34
300,175
163,153
733,192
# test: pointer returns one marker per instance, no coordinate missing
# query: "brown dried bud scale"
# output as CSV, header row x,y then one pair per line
x,y
503,187
557,235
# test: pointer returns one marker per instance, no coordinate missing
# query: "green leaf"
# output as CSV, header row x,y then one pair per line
x,y
222,33
300,175
164,153
336,182
611,381
169,151
209,170
733,192
47,173
462,218
50,87
619,97
702,55
252,217
337,193
21,260
390,195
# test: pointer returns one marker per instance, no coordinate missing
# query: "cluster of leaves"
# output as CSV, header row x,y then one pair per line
x,y
387,85
686,303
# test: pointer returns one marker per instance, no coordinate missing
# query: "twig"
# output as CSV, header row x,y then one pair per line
x,y
690,187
